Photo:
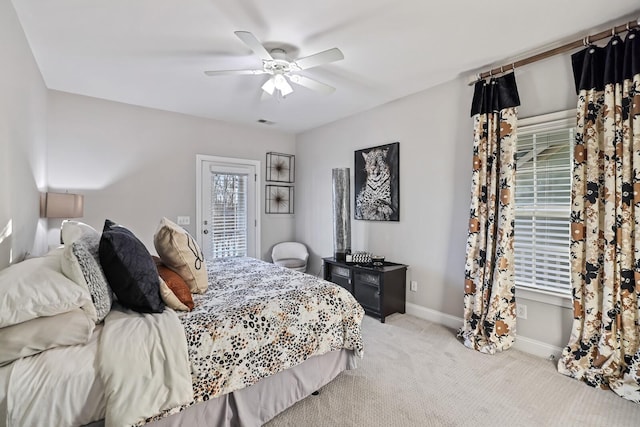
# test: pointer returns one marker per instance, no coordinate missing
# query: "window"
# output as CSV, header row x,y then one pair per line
x,y
543,204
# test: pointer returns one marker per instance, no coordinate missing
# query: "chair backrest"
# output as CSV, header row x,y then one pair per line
x,y
289,250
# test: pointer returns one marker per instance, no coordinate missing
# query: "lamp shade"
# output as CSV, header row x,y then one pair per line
x,y
61,205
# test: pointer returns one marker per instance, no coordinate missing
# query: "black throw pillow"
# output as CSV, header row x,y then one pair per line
x,y
129,269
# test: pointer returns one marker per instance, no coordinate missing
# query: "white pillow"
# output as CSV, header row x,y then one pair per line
x,y
71,230
36,287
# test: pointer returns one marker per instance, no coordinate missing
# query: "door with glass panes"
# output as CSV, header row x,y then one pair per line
x,y
228,220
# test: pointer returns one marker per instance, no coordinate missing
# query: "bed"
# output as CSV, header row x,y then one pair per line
x,y
258,340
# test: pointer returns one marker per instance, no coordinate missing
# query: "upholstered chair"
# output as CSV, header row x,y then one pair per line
x,y
292,255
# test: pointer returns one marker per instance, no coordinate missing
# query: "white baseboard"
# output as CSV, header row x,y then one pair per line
x,y
527,345
434,316
537,348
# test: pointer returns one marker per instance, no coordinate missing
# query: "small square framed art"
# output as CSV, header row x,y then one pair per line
x,y
278,199
281,167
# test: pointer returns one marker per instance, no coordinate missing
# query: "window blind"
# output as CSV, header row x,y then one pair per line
x,y
542,209
229,215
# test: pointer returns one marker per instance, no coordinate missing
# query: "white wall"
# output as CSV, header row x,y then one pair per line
x,y
135,165
22,143
435,134
433,131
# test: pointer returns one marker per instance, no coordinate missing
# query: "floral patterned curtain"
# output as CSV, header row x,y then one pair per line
x,y
489,300
604,347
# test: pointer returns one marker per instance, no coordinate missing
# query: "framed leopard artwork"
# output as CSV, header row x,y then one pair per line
x,y
377,183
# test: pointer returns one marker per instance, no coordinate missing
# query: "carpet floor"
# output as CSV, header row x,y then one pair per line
x,y
416,373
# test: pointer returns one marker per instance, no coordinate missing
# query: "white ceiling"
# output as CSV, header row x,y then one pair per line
x,y
153,52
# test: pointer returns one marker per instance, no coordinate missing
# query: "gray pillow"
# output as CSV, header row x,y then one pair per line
x,y
81,264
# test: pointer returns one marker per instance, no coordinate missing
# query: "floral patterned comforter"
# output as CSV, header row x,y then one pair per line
x,y
257,319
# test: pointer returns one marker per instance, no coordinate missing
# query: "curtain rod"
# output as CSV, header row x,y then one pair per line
x,y
561,49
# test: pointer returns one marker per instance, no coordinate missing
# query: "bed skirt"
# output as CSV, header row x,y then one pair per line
x,y
259,403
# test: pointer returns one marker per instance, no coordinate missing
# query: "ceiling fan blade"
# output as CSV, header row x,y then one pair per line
x,y
320,58
312,84
233,72
255,45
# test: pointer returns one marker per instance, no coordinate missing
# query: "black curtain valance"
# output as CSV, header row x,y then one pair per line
x,y
495,94
595,67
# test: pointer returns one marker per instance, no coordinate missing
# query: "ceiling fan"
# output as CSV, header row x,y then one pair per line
x,y
282,70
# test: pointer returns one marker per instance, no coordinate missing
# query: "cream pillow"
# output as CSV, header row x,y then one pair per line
x,y
36,287
71,230
180,252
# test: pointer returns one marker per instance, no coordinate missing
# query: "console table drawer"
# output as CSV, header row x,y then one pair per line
x,y
368,278
340,271
368,296
345,282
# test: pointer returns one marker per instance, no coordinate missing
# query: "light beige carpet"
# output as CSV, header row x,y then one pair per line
x,y
416,373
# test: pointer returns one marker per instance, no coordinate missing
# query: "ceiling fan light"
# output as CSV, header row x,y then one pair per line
x,y
269,86
282,85
279,80
286,90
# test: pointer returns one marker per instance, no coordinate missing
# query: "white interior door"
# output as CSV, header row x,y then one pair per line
x,y
228,207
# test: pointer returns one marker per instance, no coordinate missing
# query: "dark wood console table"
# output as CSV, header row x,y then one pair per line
x,y
380,290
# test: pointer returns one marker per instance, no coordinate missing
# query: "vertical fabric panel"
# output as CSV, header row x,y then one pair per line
x,y
604,349
489,300
341,190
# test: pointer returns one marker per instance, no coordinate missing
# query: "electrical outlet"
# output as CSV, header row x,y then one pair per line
x,y
184,220
521,311
413,286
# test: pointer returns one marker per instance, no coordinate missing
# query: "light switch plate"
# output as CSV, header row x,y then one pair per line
x,y
184,220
